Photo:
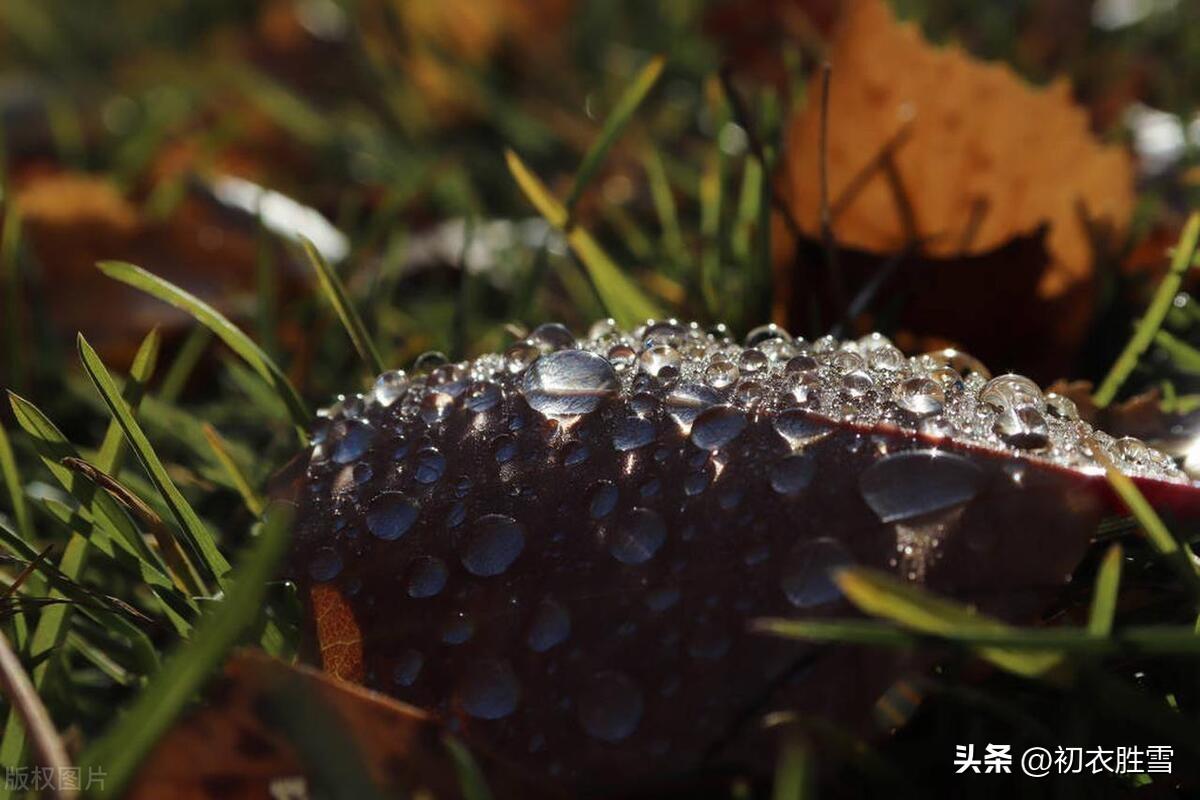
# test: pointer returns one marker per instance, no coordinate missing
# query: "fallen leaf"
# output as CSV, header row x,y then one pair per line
x,y
241,742
960,161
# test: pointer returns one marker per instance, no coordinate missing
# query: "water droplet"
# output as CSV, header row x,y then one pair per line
x,y
806,577
604,499
1061,407
913,483
390,387
481,396
696,482
800,363
857,383
569,383
1134,450
632,432
520,355
458,629
1011,393
610,706
408,668
765,333
661,361
920,396
792,474
721,374
576,453
390,515
799,428
716,427
493,545
436,406
551,625
1023,427
489,689
426,577
325,565
660,600
552,336
752,361
848,361
504,448
638,537
430,466
354,443
603,328
687,400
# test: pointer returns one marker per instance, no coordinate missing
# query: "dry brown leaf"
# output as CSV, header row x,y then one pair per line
x,y
236,744
984,160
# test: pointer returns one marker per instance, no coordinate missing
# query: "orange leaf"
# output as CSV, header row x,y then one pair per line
x,y
338,636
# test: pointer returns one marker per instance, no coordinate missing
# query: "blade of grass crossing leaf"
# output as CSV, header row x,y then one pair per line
x,y
230,334
621,114
236,476
470,777
1164,296
884,596
15,487
195,534
621,297
793,771
664,205
1178,557
1104,596
335,292
123,746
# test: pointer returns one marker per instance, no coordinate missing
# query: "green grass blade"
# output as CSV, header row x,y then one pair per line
x,y
793,771
230,334
664,206
10,282
1181,261
335,292
1179,557
121,749
186,358
111,454
1104,596
884,596
16,491
1184,357
470,777
622,298
195,534
236,476
621,114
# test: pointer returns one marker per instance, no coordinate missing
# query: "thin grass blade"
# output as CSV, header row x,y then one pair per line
x,y
1104,596
621,114
335,292
195,534
233,471
230,334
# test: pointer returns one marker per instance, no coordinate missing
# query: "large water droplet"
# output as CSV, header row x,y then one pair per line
x,y
551,625
800,429
920,396
806,579
721,374
1011,393
792,474
913,483
552,336
390,387
717,426
632,432
638,537
430,466
481,396
426,577
568,383
661,361
687,400
493,545
489,689
610,706
390,515
354,442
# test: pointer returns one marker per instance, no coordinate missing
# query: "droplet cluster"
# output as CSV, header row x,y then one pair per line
x,y
559,547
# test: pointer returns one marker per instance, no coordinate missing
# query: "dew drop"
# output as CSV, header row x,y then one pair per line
x,y
721,374
920,396
430,466
752,361
390,387
481,396
1023,427
436,406
1011,393
568,383
551,626
325,565
489,689
552,336
687,400
493,545
661,361
354,442
604,499
610,707
792,474
717,426
806,577
390,515
799,428
426,577
638,537
408,668
632,432
913,483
